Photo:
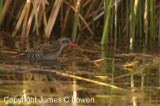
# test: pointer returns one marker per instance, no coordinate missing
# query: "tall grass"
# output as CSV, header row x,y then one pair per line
x,y
131,20
74,33
140,18
121,19
159,26
151,19
146,21
127,18
105,31
1,4
115,20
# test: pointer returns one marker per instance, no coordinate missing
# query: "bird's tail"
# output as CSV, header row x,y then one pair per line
x,y
22,54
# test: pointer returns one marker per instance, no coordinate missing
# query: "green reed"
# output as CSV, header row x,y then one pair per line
x,y
74,33
151,19
112,25
107,13
127,18
132,19
140,18
93,24
146,21
121,14
115,20
1,5
121,20
159,27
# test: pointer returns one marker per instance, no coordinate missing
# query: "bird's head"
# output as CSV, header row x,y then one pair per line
x,y
65,42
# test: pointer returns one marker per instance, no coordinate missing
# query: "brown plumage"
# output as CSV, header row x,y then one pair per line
x,y
45,52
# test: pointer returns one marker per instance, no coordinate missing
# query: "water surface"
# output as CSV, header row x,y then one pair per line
x,y
92,76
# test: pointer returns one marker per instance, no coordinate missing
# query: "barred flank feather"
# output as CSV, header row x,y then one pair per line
x,y
33,55
45,52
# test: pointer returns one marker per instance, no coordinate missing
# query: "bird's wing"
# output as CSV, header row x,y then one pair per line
x,y
36,53
53,48
33,54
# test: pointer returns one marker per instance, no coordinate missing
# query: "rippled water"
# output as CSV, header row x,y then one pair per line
x,y
87,76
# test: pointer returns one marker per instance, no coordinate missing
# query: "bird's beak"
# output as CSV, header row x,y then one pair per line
x,y
73,44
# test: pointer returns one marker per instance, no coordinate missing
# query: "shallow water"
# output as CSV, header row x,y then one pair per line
x,y
94,76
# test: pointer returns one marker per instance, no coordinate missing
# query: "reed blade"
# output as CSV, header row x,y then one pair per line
x,y
105,31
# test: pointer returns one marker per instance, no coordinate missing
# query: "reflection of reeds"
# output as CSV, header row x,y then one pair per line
x,y
27,77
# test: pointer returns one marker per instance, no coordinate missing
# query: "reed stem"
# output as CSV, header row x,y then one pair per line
x,y
105,31
74,33
1,5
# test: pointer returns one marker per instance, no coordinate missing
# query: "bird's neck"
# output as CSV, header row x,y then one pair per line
x,y
57,45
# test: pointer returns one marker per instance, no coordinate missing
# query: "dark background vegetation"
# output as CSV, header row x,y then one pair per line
x,y
107,20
